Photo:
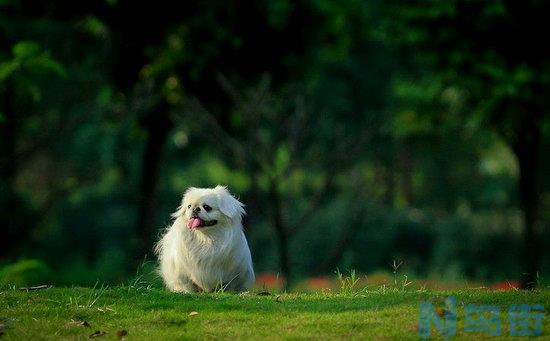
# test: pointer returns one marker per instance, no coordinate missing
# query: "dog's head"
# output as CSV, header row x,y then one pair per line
x,y
209,207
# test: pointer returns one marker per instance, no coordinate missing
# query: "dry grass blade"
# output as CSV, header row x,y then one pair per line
x,y
121,334
97,333
38,287
79,323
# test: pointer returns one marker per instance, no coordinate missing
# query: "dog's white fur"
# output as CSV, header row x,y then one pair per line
x,y
207,258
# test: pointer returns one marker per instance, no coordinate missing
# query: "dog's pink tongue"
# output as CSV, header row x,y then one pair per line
x,y
194,223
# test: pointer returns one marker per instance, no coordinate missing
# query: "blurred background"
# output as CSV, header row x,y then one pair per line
x,y
378,136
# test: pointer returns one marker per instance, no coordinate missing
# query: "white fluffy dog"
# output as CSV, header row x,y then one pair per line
x,y
205,248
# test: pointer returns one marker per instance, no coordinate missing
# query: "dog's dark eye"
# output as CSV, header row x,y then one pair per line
x,y
188,206
207,208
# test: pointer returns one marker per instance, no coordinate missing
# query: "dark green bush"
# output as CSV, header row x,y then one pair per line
x,y
26,272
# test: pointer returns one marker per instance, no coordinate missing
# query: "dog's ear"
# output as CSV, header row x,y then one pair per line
x,y
183,206
229,205
179,211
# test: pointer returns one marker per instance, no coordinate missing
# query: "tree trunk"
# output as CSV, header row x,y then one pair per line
x,y
527,152
282,235
405,168
330,263
8,169
389,180
158,125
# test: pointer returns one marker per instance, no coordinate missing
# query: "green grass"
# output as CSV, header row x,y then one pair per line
x,y
155,314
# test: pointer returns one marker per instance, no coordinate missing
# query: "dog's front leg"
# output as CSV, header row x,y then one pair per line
x,y
183,284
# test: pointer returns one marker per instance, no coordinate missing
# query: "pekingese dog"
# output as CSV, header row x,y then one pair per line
x,y
205,248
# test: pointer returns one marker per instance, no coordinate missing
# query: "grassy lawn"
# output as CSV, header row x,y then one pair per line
x,y
155,314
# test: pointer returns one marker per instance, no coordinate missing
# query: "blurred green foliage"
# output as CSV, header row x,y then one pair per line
x,y
356,132
27,272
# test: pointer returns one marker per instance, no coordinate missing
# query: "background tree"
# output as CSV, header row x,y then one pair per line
x,y
183,52
488,56
357,133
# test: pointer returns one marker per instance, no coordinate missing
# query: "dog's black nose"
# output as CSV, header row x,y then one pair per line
x,y
197,209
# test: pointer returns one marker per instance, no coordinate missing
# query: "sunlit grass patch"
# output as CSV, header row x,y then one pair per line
x,y
149,313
